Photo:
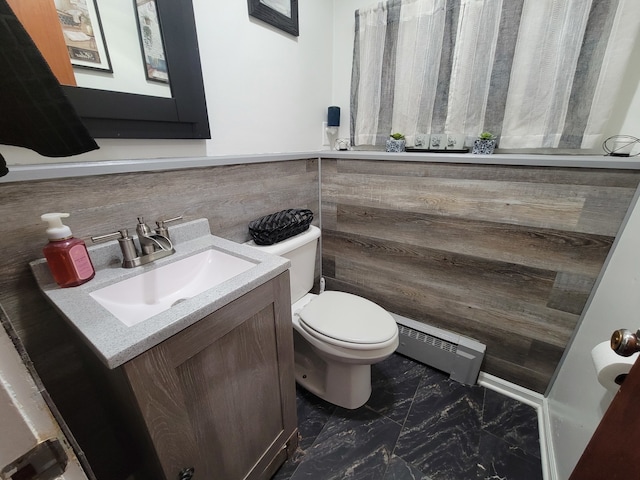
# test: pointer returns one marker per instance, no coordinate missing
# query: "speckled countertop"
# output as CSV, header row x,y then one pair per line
x,y
114,342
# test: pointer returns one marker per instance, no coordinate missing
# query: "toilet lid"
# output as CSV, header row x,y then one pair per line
x,y
349,318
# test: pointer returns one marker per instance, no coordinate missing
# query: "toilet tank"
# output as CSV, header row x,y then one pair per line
x,y
301,251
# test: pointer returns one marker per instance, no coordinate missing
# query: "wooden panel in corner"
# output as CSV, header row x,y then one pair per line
x,y
40,19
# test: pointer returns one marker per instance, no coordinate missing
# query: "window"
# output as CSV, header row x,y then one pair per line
x,y
539,74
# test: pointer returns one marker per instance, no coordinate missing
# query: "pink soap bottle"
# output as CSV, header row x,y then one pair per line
x,y
66,255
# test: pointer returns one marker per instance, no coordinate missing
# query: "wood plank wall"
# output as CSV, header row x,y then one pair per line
x,y
228,196
507,255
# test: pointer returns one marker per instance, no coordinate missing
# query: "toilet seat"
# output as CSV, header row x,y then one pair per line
x,y
349,321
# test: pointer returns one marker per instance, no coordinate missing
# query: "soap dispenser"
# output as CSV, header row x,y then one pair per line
x,y
66,255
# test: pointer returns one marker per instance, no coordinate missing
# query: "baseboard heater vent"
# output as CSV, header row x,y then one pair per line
x,y
460,357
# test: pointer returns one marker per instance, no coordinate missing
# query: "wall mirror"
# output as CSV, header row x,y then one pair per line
x,y
178,109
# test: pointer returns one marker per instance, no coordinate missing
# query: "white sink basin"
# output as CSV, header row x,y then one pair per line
x,y
138,298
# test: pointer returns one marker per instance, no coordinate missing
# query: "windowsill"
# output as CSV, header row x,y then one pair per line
x,y
23,173
540,160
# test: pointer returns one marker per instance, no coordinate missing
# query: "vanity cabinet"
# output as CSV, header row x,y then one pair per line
x,y
219,396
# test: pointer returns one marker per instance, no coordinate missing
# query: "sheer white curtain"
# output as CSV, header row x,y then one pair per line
x,y
538,73
419,46
372,27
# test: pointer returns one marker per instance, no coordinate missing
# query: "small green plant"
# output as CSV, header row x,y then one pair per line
x,y
397,136
486,136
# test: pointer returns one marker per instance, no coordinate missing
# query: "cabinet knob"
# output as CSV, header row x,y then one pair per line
x,y
186,473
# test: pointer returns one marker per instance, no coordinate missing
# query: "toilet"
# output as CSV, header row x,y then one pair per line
x,y
337,336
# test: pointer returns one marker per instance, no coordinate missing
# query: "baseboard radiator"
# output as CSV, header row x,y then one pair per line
x,y
459,356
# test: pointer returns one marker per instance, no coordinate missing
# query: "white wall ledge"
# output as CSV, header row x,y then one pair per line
x,y
577,161
22,173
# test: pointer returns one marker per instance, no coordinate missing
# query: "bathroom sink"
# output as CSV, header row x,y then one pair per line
x,y
138,298
123,312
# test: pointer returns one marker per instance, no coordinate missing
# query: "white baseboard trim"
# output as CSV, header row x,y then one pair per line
x,y
537,401
551,469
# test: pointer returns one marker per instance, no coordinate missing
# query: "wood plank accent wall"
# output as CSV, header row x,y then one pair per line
x,y
228,196
507,255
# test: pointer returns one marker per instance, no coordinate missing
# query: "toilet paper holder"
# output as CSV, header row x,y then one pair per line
x,y
625,343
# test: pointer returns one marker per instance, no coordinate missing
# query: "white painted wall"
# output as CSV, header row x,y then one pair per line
x,y
576,400
266,91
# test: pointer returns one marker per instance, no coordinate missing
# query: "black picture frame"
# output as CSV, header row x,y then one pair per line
x,y
83,36
266,10
151,41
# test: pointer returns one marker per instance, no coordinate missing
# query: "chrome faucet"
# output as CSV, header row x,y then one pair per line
x,y
150,241
153,244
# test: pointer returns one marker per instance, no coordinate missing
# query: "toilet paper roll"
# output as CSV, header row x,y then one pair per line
x,y
611,368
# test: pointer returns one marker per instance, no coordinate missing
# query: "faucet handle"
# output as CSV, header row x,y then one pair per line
x,y
161,228
169,220
127,246
110,236
142,228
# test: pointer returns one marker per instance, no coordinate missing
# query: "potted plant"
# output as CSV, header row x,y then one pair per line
x,y
484,144
396,143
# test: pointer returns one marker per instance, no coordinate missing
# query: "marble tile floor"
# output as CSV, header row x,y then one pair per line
x,y
417,424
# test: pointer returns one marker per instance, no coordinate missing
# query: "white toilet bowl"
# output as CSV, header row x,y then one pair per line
x,y
337,336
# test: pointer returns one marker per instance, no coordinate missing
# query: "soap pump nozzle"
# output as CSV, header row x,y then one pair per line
x,y
57,230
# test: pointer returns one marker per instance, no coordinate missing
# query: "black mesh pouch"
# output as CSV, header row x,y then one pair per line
x,y
279,226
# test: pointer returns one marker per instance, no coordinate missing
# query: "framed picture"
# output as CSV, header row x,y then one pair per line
x,y
83,35
282,14
151,41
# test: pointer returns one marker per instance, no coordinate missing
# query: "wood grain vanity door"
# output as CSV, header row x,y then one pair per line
x,y
220,396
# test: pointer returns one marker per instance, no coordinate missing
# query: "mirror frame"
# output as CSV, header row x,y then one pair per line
x,y
110,114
